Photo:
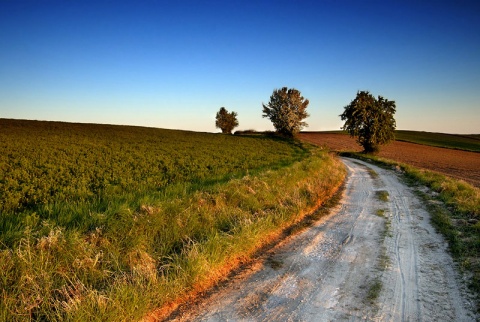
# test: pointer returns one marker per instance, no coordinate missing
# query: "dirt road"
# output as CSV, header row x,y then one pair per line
x,y
369,259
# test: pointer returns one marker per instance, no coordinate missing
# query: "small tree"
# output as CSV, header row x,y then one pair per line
x,y
370,120
286,110
226,121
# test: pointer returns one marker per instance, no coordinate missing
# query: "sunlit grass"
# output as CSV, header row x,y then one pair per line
x,y
118,256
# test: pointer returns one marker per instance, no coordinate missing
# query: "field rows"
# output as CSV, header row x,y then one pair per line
x,y
114,221
456,163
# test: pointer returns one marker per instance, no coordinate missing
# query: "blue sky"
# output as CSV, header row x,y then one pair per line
x,y
173,64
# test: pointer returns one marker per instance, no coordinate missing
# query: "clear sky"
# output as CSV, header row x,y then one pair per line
x,y
173,64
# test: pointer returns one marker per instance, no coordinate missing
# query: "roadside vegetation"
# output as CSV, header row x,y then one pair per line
x,y
382,195
455,209
110,222
375,286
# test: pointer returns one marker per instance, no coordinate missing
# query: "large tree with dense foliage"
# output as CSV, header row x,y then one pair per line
x,y
287,110
371,120
226,121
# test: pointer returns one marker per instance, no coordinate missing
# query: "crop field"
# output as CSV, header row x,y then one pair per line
x,y
115,221
452,161
442,140
44,162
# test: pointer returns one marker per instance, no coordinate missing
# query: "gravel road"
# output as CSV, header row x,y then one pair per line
x,y
369,259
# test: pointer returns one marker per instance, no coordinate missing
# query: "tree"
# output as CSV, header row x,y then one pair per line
x,y
286,110
226,121
371,120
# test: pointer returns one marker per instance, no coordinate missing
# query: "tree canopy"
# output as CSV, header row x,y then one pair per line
x,y
226,121
371,120
287,110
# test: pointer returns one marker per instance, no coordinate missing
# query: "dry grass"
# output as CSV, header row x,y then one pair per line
x,y
153,251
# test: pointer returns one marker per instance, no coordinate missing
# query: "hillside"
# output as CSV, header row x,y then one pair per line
x,y
452,141
115,221
43,162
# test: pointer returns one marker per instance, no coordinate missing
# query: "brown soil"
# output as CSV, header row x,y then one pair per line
x,y
455,163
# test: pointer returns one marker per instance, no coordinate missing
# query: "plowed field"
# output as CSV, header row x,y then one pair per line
x,y
455,163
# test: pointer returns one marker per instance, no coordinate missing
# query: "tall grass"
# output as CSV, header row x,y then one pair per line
x,y
144,250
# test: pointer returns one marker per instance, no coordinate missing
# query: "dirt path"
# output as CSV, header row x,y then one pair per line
x,y
368,260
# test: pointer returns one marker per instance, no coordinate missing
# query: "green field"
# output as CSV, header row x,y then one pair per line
x,y
452,141
467,142
51,162
102,222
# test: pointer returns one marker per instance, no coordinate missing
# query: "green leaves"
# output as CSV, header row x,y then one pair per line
x,y
226,121
371,120
286,110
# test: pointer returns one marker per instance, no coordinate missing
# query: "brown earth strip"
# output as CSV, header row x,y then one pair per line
x,y
455,163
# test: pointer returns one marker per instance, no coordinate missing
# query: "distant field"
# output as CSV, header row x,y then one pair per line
x,y
459,164
467,142
452,141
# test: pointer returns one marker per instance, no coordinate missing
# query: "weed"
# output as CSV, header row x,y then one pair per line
x,y
373,174
382,195
374,290
383,261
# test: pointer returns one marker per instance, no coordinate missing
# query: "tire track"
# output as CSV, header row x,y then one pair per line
x,y
326,273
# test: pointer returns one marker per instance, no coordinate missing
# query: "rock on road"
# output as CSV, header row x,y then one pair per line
x,y
369,259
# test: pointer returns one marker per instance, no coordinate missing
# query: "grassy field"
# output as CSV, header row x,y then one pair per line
x,y
102,222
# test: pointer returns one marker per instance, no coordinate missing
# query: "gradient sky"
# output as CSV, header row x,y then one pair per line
x,y
173,64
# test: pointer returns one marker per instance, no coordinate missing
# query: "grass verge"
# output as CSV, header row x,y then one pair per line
x,y
147,251
455,209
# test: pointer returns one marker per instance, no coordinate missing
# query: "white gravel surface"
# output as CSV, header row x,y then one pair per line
x,y
329,272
